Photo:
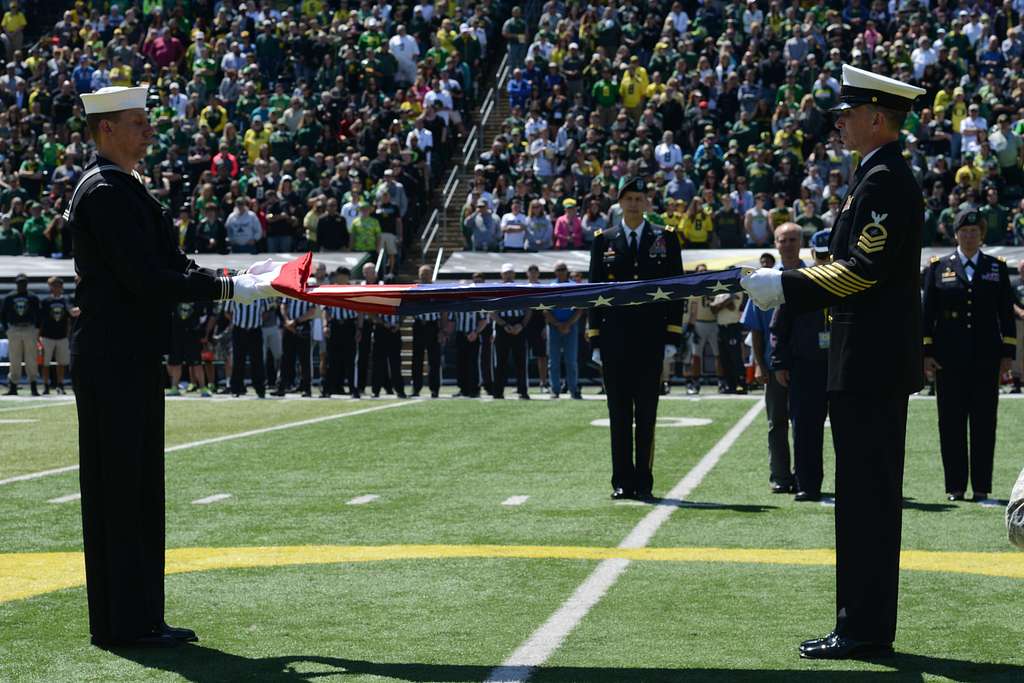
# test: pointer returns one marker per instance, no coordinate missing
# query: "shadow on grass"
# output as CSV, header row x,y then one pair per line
x,y
911,504
698,505
207,665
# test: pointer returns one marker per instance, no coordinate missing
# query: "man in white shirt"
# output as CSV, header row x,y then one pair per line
x,y
178,101
542,151
423,135
668,152
922,56
406,51
513,227
972,124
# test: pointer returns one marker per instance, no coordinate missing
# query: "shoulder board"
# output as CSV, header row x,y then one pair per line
x,y
668,228
598,232
1001,258
934,259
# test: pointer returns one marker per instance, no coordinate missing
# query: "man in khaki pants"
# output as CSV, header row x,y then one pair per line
x,y
20,316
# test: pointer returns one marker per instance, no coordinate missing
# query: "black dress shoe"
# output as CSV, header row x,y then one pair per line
x,y
953,497
185,634
279,392
781,488
807,496
645,496
835,646
979,497
621,494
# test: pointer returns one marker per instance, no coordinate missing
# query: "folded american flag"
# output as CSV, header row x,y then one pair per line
x,y
496,296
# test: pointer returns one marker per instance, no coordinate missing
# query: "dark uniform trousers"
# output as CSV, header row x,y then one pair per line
x,y
506,344
730,341
425,342
968,393
808,408
365,355
341,356
122,485
632,384
468,364
873,289
247,343
387,360
776,403
486,340
295,346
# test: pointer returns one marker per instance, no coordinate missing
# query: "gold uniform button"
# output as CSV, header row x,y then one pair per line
x,y
968,326
968,314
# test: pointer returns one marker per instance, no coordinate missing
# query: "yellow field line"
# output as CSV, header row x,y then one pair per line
x,y
23,575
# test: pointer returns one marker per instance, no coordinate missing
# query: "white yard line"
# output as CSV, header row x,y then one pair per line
x,y
48,404
16,421
363,500
227,437
66,499
512,501
211,499
549,637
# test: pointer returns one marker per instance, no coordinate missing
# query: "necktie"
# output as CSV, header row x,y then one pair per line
x,y
632,244
969,270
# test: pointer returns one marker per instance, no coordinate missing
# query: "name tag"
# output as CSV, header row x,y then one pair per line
x,y
824,340
994,277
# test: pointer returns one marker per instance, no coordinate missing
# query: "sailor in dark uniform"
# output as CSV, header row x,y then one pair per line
x,y
969,343
873,288
342,327
426,341
127,259
631,342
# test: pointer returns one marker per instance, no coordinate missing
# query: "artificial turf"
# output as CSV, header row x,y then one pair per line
x,y
441,470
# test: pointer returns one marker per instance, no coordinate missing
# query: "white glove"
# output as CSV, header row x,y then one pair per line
x,y
670,351
249,288
764,286
260,267
596,356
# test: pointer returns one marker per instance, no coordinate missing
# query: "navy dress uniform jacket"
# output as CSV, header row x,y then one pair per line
x,y
873,283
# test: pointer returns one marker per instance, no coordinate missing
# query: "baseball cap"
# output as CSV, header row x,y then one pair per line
x,y
819,241
568,201
21,277
508,268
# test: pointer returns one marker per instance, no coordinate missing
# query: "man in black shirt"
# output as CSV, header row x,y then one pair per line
x,y
54,325
20,317
187,324
332,229
390,220
728,225
211,235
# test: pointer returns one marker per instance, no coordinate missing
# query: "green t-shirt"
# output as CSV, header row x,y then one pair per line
x,y
996,219
36,243
10,243
605,93
365,230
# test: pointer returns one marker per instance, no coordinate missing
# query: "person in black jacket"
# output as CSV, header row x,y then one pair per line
x,y
873,288
800,363
127,259
969,343
632,341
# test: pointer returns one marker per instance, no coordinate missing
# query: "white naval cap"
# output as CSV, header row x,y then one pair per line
x,y
863,87
115,98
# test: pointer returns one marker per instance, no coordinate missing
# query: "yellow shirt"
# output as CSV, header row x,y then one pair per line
x,y
446,39
697,227
311,8
254,142
655,89
633,88
13,22
957,114
942,99
972,174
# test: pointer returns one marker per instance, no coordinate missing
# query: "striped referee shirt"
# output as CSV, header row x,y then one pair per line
x,y
297,308
340,313
467,321
427,317
511,315
390,319
248,316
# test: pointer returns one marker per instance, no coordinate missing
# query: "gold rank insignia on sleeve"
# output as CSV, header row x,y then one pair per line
x,y
837,279
873,235
934,259
597,233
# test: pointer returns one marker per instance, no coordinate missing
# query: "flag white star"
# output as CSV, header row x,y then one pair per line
x,y
718,287
660,295
542,307
601,301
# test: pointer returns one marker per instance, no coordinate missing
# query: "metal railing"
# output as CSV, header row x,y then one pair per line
x,y
429,232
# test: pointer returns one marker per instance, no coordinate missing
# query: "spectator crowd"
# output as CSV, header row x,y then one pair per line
x,y
723,108
280,126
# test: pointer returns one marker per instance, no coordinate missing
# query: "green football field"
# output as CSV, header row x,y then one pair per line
x,y
456,540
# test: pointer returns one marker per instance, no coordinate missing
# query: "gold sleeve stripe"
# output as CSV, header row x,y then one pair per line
x,y
678,329
853,276
1009,340
928,340
591,333
831,276
820,280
